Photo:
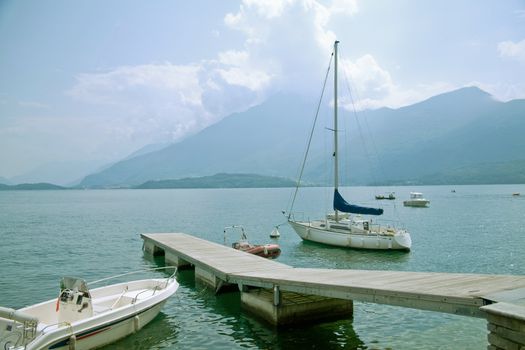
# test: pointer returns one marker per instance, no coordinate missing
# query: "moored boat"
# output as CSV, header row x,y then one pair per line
x,y
416,200
340,228
270,250
82,319
390,196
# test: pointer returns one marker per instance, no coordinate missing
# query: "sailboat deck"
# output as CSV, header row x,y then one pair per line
x,y
445,292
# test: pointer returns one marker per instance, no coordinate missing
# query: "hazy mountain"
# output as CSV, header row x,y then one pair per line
x,y
512,172
221,181
5,181
448,131
30,187
63,173
148,149
256,141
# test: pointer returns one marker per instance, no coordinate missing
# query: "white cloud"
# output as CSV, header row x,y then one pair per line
x,y
512,50
159,102
154,102
112,87
348,7
268,8
370,79
239,71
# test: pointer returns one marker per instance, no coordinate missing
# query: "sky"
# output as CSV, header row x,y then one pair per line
x,y
85,83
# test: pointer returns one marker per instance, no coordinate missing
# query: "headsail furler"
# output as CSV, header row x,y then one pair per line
x,y
342,205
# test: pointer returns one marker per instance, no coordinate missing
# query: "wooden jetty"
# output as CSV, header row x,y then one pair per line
x,y
282,294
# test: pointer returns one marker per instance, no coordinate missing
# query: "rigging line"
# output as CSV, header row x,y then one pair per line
x,y
310,138
376,153
365,148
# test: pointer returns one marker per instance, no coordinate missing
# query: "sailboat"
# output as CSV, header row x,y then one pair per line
x,y
340,228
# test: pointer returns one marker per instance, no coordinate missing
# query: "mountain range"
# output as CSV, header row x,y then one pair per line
x,y
221,181
465,128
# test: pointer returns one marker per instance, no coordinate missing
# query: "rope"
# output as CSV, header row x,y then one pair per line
x,y
310,137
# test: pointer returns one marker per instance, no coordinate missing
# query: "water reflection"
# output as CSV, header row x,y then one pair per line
x,y
306,252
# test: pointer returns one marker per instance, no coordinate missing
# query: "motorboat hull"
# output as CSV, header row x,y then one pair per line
x,y
309,232
141,301
416,203
100,335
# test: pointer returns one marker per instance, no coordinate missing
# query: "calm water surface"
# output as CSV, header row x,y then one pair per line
x,y
94,234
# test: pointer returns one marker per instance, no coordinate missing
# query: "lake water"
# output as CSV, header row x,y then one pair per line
x,y
94,234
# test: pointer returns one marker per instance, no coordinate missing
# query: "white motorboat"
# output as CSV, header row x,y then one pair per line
x,y
82,319
416,200
339,228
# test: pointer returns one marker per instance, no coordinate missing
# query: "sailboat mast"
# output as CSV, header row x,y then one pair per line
x,y
336,155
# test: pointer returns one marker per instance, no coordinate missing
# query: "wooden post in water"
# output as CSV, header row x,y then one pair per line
x,y
506,326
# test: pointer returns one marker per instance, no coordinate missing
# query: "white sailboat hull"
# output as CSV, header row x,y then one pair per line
x,y
309,231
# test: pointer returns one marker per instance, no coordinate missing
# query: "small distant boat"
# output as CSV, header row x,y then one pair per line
x,y
389,196
85,319
453,191
416,200
269,251
516,194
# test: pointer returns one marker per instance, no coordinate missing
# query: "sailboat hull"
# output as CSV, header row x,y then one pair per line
x,y
309,231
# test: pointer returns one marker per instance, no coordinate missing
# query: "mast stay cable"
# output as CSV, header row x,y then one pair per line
x,y
310,137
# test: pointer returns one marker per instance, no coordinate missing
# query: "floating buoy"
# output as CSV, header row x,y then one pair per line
x,y
275,233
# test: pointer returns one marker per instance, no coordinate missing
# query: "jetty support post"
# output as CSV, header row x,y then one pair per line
x,y
175,260
283,308
150,248
170,257
506,326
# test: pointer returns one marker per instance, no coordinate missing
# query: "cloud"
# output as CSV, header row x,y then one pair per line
x,y
297,61
510,49
159,102
241,72
287,42
156,102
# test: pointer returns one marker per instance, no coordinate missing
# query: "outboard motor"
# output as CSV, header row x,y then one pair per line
x,y
74,302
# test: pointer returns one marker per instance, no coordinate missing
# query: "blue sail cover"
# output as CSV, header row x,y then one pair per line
x,y
342,205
